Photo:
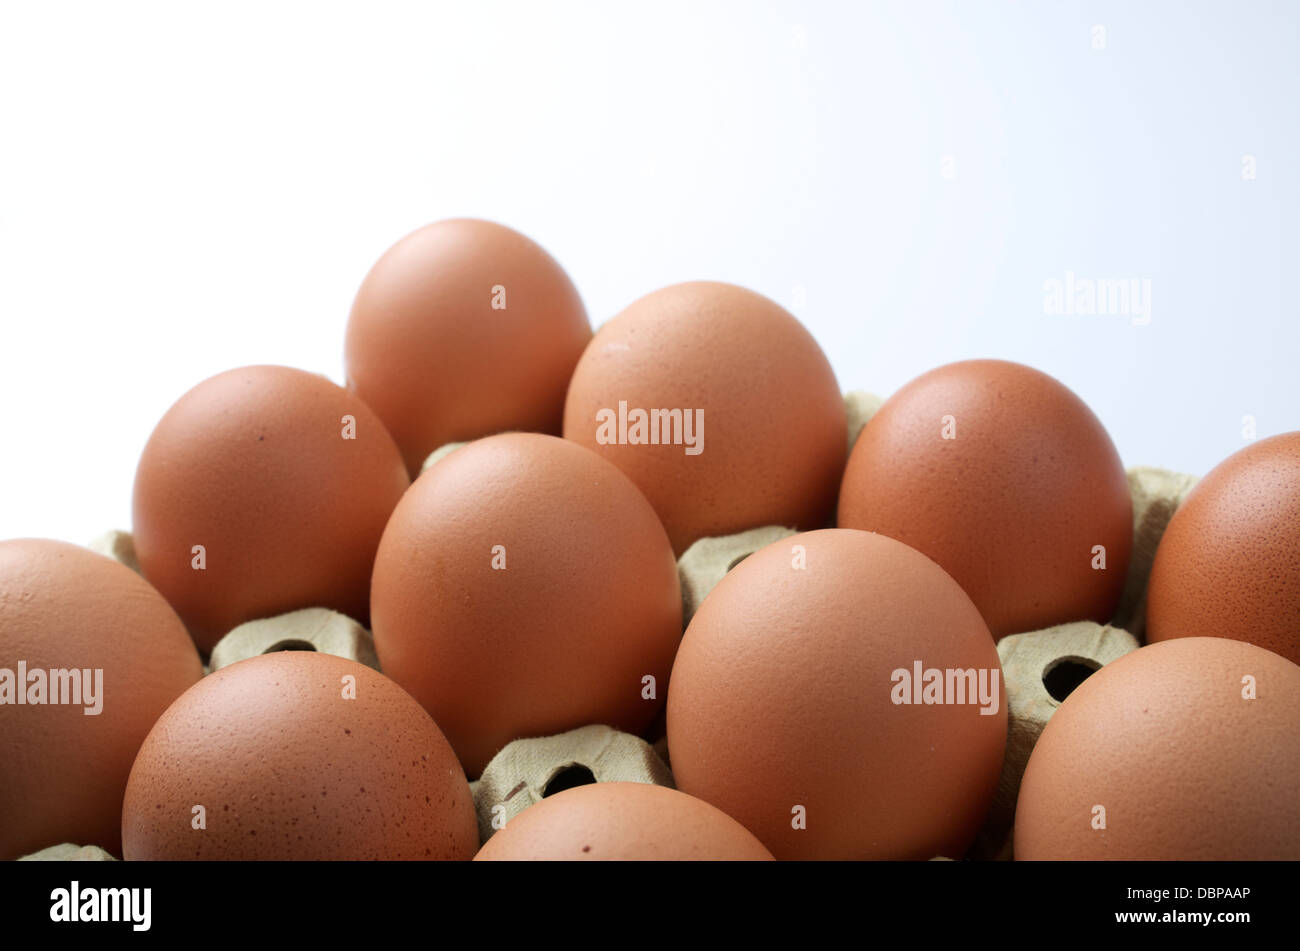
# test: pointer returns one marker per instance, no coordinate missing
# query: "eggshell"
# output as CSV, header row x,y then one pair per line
x,y
781,707
774,426
464,328
1013,506
1184,766
255,466
524,587
63,772
297,755
1228,565
623,822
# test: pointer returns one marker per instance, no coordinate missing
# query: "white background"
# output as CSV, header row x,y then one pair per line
x,y
186,188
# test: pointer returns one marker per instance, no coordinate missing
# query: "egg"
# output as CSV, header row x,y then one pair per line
x,y
297,755
1180,750
636,822
90,656
525,587
264,490
1005,478
839,695
462,329
719,405
1228,564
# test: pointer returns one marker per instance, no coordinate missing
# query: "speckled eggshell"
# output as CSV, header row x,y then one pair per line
x,y
1228,565
524,587
773,444
782,699
1183,764
287,766
636,822
254,465
63,772
462,329
1013,507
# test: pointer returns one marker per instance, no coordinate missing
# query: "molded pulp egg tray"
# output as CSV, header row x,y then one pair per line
x,y
1039,667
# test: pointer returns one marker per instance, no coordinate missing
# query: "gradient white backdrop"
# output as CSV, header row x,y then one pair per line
x,y
189,187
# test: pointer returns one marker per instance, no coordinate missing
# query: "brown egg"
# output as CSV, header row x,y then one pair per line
x,y
759,432
297,755
1006,479
1228,565
636,822
793,705
64,764
524,587
1180,750
261,491
464,328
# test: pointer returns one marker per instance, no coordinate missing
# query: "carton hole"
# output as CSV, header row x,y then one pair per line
x,y
1063,675
568,778
290,645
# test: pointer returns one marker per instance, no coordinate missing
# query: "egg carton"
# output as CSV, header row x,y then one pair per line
x,y
1039,667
